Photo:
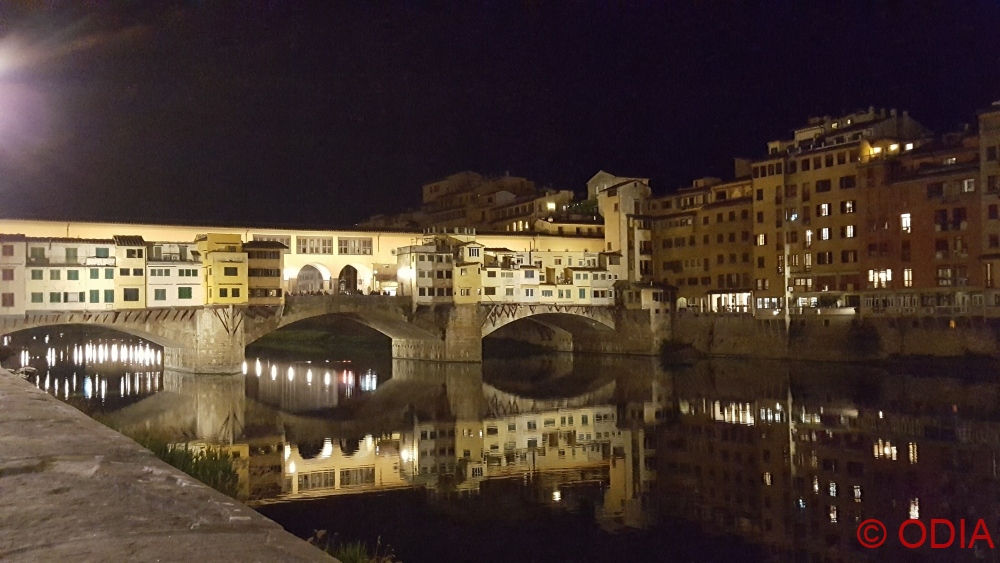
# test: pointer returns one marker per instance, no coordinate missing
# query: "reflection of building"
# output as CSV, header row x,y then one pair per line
x,y
349,465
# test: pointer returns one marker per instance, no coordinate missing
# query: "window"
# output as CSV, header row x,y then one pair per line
x,y
762,239
473,252
184,293
133,253
847,231
130,294
879,279
230,271
904,222
907,277
73,275
109,296
314,245
123,271
823,210
55,274
944,276
236,292
55,297
36,253
968,185
529,292
102,252
847,206
159,295
95,296
848,182
823,186
95,273
992,211
363,245
8,274
36,275
224,292
7,300
824,233
848,256
935,190
109,273
36,297
8,250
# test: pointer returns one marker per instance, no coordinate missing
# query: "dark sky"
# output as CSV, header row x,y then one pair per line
x,y
295,113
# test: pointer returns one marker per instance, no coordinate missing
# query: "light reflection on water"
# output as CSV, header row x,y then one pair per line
x,y
101,372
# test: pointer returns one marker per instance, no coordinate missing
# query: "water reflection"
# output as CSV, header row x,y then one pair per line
x,y
95,374
791,457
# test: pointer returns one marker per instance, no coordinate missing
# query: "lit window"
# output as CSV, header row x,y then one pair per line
x,y
833,489
894,147
833,514
857,493
767,478
913,452
908,279
877,150
968,185
823,209
908,146
761,240
879,278
816,485
951,160
824,233
904,222
914,509
849,231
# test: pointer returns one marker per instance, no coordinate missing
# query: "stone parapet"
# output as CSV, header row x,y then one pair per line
x,y
75,490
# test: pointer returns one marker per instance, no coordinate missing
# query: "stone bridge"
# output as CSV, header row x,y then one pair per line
x,y
212,339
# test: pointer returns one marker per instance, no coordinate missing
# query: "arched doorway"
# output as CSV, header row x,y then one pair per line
x,y
309,280
348,280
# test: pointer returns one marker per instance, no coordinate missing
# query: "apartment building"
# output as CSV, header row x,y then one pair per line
x,y
130,283
454,268
807,211
921,230
702,245
265,264
989,186
13,257
173,275
72,274
225,268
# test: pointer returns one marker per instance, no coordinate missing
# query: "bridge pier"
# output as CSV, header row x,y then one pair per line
x,y
211,342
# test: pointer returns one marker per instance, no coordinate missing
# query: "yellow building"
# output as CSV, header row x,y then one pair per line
x,y
130,283
225,268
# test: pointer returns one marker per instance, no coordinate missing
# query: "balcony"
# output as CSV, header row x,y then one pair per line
x,y
95,261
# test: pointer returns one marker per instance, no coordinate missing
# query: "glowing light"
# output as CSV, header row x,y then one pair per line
x,y
309,377
327,450
404,274
405,455
291,373
244,368
274,373
326,379
556,496
288,451
257,367
291,467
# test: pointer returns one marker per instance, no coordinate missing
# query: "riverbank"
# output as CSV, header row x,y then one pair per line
x,y
76,490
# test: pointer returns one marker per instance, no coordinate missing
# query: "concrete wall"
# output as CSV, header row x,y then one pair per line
x,y
836,338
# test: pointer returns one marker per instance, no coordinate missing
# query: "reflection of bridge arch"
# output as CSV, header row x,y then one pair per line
x,y
502,403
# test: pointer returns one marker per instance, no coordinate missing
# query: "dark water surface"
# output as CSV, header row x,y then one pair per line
x,y
574,458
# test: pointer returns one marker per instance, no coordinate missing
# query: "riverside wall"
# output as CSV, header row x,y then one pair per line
x,y
75,490
836,337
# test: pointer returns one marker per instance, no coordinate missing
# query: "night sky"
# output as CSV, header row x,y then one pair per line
x,y
296,114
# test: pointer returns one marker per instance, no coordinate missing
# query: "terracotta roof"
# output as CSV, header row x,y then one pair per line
x,y
128,240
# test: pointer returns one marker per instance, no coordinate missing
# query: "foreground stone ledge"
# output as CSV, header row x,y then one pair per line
x,y
72,489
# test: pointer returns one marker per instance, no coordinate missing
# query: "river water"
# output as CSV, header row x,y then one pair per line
x,y
574,458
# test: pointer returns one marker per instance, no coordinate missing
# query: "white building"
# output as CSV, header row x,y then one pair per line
x,y
70,274
173,275
13,256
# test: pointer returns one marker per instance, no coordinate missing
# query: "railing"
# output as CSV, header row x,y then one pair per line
x,y
95,261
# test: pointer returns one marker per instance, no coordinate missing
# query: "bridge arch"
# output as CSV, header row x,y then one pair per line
x,y
571,319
